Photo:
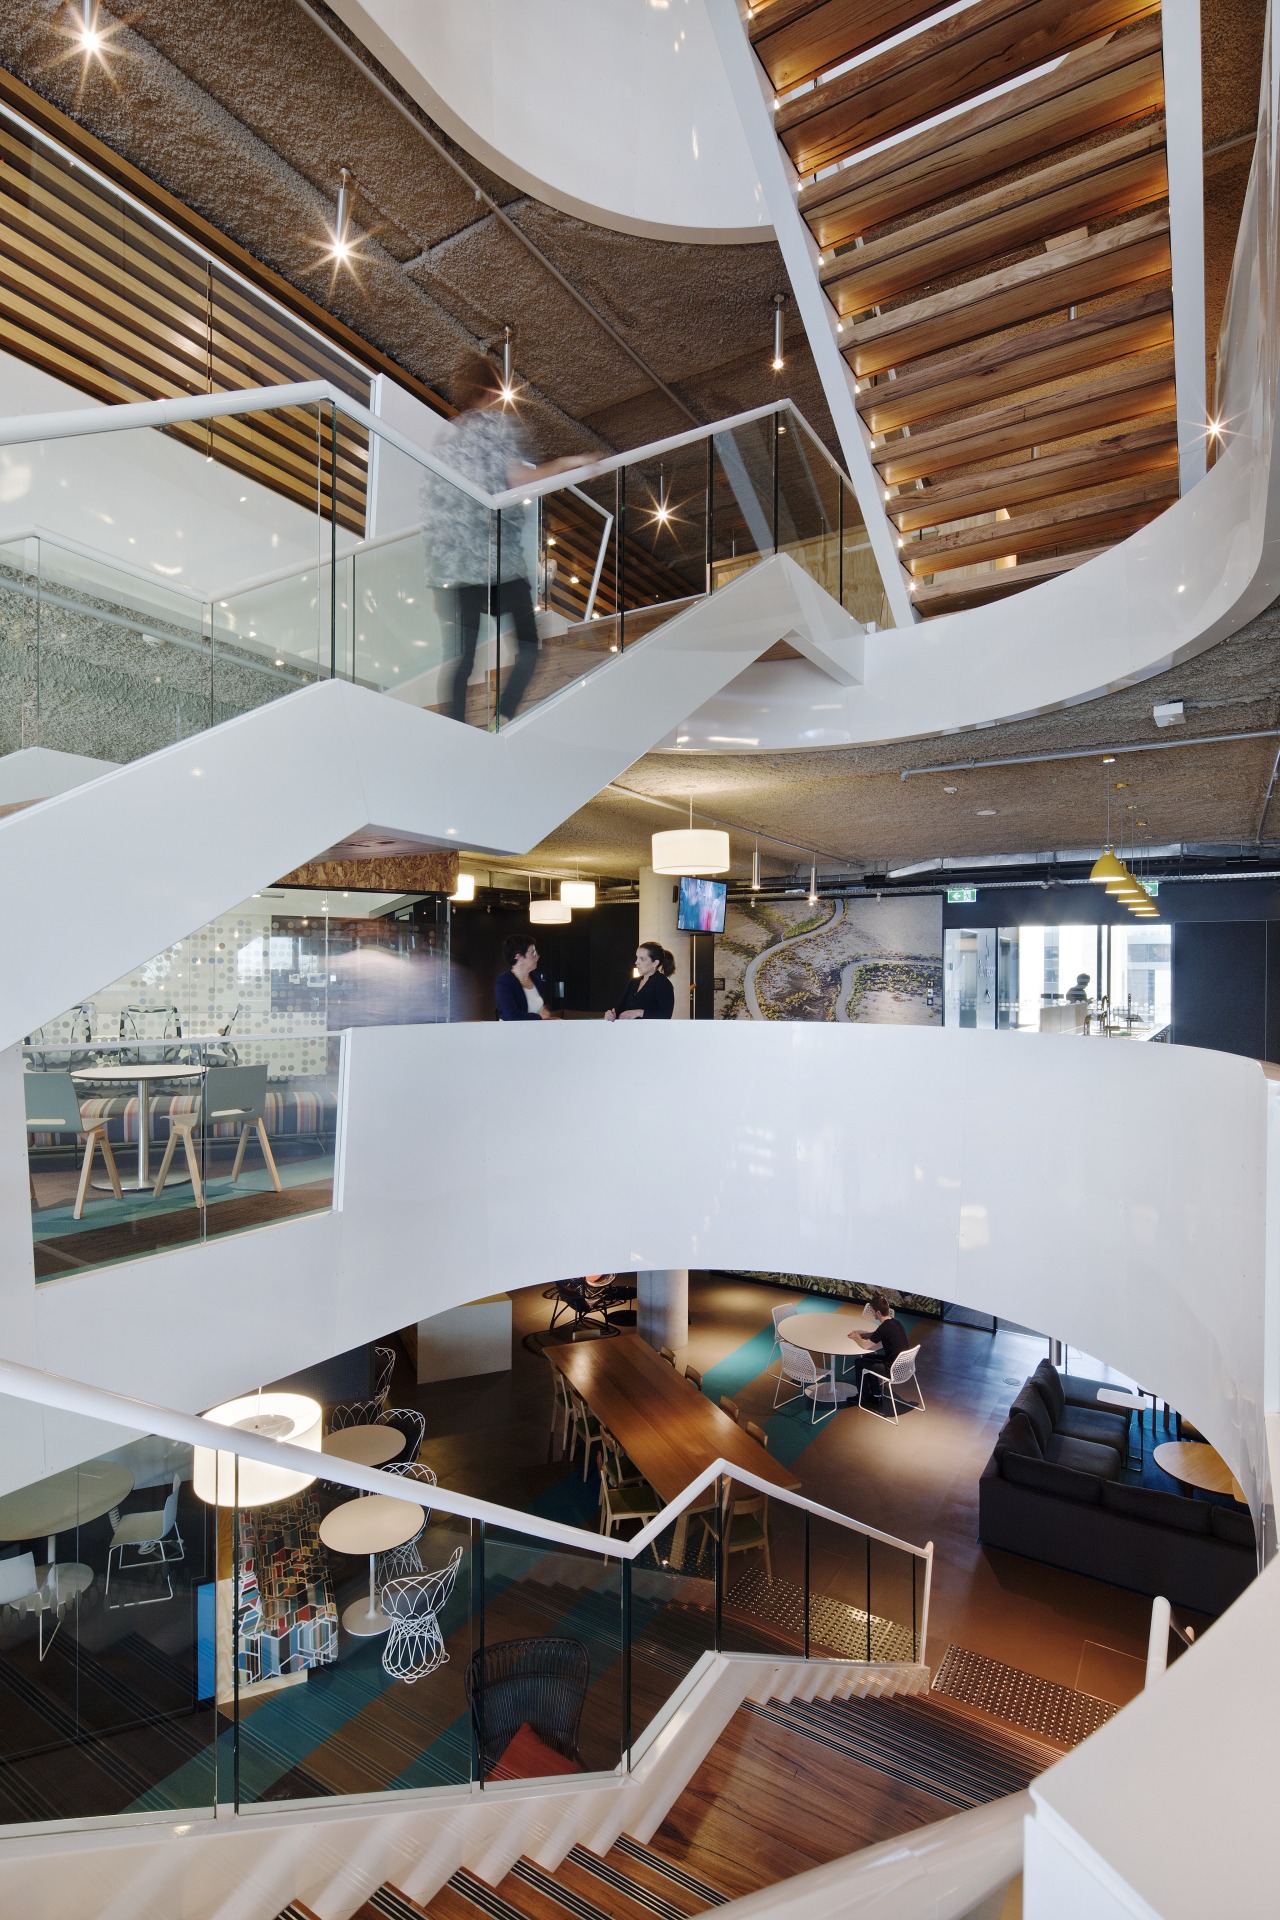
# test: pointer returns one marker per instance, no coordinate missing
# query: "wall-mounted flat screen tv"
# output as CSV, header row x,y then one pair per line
x,y
701,906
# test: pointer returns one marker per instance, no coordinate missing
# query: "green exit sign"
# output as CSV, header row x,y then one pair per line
x,y
1152,887
961,896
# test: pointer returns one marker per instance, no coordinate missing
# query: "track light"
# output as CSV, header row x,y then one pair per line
x,y
779,302
340,246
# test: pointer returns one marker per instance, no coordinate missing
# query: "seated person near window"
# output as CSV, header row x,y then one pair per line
x,y
519,991
650,996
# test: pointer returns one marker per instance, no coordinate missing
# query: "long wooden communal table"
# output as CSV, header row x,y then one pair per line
x,y
665,1424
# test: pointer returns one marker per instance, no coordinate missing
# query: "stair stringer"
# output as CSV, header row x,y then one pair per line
x,y
231,809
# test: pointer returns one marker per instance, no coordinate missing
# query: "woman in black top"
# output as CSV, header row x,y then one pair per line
x,y
650,996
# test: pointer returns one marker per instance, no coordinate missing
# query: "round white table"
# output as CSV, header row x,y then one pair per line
x,y
141,1078
368,1446
64,1500
826,1336
370,1525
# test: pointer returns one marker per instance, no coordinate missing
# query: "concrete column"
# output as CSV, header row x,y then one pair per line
x,y
658,922
662,1300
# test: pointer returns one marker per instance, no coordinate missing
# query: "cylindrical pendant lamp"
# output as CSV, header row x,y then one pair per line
x,y
273,1416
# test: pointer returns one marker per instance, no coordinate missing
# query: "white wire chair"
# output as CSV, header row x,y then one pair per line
x,y
415,1644
367,1413
801,1370
399,1563
778,1315
902,1372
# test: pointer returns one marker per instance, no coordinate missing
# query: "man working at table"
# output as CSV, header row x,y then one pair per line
x,y
886,1343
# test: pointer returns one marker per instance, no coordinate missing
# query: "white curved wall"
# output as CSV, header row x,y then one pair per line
x,y
1111,1195
619,113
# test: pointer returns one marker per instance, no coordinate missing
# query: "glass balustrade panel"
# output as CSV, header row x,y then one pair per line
x,y
108,1642
664,548
742,499
762,1610
349,1623
859,1596
673,1612
862,585
550,1659
808,504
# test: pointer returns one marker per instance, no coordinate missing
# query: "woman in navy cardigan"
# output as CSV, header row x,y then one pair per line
x,y
650,996
519,990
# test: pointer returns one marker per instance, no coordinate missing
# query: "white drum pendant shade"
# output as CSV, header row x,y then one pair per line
x,y
578,893
272,1416
692,850
549,913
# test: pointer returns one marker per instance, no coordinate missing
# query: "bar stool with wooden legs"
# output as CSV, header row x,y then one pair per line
x,y
235,1095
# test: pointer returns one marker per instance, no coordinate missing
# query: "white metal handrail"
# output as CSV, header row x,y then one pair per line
x,y
117,1409
126,416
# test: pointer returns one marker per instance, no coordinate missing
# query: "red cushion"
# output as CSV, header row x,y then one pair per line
x,y
526,1757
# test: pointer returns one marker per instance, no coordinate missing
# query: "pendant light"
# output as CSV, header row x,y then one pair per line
x,y
549,913
578,893
340,243
755,866
291,1417
464,888
813,881
508,375
779,302
692,850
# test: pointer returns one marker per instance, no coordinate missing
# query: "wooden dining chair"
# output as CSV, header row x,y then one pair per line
x,y
730,1407
624,1494
583,1426
758,1433
692,1375
668,1354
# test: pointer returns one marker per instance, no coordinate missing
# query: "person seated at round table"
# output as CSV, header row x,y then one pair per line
x,y
650,995
890,1337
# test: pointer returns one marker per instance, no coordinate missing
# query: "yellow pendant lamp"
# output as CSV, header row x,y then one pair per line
x,y
1107,870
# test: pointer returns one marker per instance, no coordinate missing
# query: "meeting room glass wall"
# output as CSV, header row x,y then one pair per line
x,y
1123,972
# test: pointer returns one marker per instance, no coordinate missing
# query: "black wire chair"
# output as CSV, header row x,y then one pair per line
x,y
539,1682
588,1301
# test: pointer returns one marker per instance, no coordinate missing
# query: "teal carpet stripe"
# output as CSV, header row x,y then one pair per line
x,y
748,1362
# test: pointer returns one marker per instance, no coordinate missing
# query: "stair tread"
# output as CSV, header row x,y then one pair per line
x,y
518,1896
447,1903
647,1873
602,1896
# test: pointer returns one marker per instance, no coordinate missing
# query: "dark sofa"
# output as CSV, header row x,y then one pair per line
x,y
1052,1492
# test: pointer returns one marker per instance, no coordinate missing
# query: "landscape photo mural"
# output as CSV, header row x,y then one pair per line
x,y
877,962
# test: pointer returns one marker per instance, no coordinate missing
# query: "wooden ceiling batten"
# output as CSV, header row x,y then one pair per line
x,y
1128,173
1081,523
1052,476
1130,392
1099,87
954,60
953,383
1044,284
97,294
1002,277
954,596
796,39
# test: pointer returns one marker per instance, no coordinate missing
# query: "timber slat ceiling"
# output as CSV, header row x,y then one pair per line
x,y
100,296
1001,278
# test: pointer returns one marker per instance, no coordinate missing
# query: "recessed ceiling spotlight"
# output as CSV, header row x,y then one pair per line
x,y
986,813
951,789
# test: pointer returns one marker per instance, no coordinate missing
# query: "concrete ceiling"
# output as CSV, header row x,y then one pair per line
x,y
853,806
248,112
